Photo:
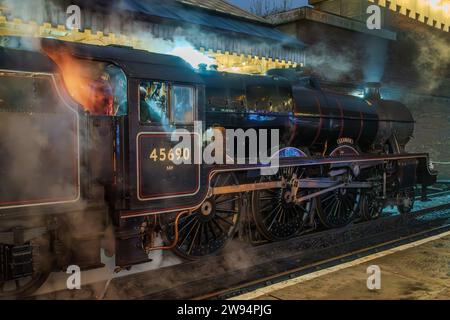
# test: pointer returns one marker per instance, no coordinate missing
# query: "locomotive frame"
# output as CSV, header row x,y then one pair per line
x,y
223,197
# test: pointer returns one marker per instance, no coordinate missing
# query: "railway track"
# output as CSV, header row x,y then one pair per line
x,y
244,269
240,292
317,252
440,189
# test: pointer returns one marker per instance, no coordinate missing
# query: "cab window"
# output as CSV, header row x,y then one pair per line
x,y
99,87
153,102
182,101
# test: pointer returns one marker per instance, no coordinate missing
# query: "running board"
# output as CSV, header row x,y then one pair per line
x,y
327,184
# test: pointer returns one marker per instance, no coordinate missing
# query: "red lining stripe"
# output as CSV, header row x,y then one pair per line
x,y
319,130
362,127
342,118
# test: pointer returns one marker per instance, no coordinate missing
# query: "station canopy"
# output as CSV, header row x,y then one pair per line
x,y
235,39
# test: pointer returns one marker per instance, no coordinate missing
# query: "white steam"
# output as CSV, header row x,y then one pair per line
x,y
329,63
433,60
192,56
179,47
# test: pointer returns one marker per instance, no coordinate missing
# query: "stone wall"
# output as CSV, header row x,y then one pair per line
x,y
432,133
432,129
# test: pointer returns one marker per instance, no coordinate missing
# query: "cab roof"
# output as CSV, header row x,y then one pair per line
x,y
26,54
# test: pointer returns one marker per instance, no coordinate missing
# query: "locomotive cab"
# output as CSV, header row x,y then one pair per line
x,y
140,106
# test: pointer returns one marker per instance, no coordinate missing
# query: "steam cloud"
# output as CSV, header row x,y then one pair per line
x,y
329,63
42,11
375,59
433,59
178,46
35,10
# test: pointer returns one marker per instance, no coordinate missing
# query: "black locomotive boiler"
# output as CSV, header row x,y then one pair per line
x,y
86,158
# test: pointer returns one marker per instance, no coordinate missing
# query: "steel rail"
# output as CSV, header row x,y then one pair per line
x,y
334,261
312,250
186,288
294,273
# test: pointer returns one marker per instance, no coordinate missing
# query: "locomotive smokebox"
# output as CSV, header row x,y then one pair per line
x,y
372,91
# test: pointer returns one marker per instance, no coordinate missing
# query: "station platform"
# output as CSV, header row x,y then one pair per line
x,y
420,270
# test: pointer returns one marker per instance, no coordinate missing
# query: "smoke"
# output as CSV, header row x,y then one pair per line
x,y
192,56
24,114
42,11
183,42
328,62
375,59
179,46
30,10
17,43
38,151
433,59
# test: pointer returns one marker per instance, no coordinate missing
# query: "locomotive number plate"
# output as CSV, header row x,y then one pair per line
x,y
159,172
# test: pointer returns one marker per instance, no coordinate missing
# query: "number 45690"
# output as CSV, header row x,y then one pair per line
x,y
163,154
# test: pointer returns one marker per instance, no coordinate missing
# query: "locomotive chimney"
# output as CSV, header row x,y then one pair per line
x,y
202,67
372,91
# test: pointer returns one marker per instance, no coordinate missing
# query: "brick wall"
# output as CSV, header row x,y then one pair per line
x,y
432,133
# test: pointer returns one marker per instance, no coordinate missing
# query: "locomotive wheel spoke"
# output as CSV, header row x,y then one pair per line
x,y
188,234
225,220
207,230
226,201
186,226
275,214
193,239
227,211
371,209
338,208
217,224
210,227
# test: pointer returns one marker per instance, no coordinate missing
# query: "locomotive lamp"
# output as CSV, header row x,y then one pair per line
x,y
372,91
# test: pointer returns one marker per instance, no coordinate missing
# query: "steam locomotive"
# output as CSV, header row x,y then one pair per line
x,y
87,150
